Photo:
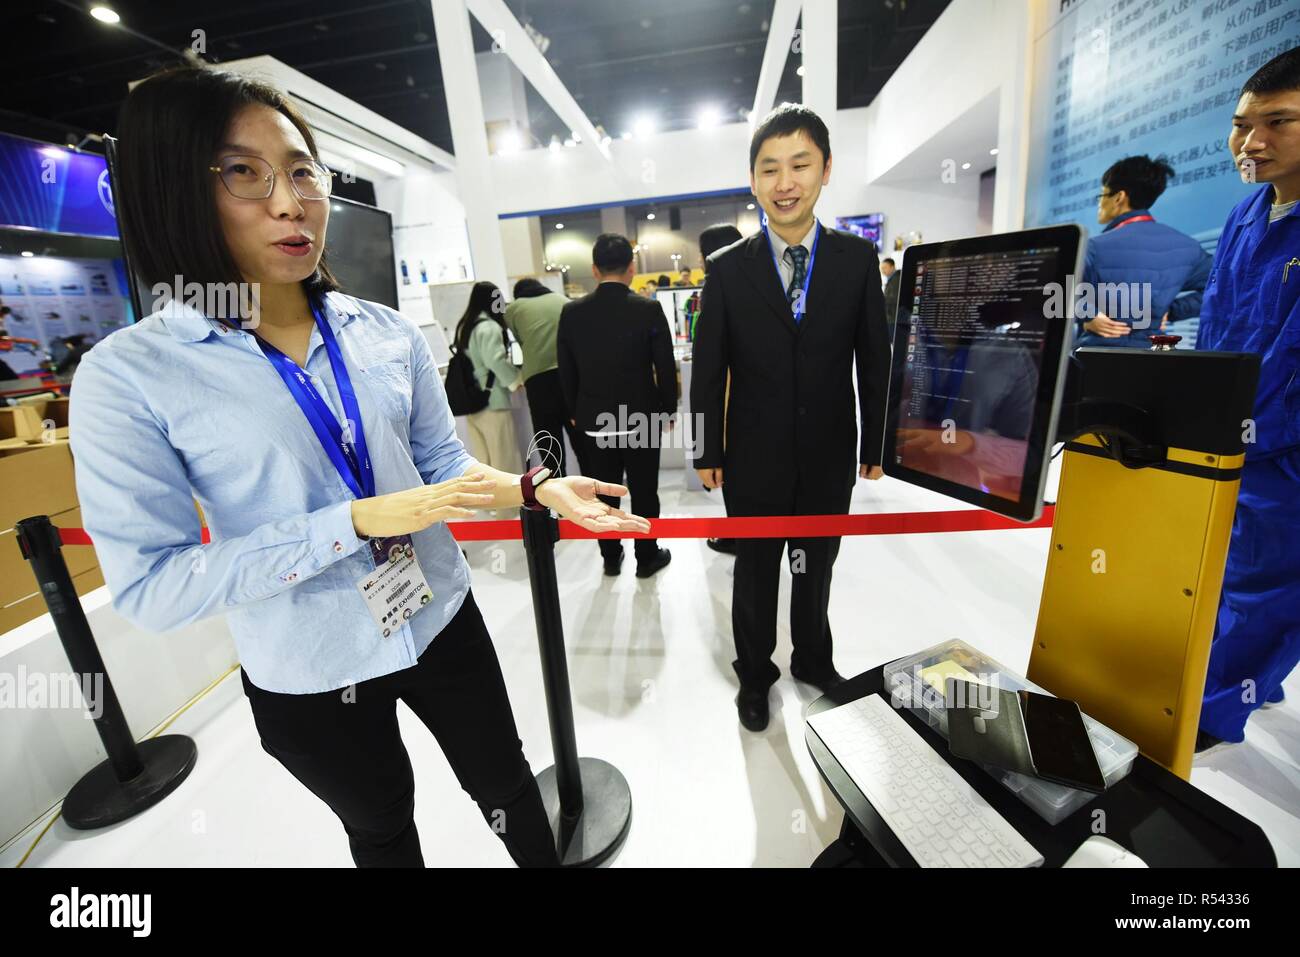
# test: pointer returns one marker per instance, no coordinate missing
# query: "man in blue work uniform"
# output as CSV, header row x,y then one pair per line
x,y
1252,304
1141,272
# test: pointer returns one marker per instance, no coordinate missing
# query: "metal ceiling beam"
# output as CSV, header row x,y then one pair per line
x,y
507,33
780,37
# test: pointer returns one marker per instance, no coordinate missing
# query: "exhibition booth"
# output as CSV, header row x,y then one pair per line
x,y
975,168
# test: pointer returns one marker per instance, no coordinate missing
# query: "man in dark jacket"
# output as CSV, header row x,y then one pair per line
x,y
615,355
792,312
893,283
1138,272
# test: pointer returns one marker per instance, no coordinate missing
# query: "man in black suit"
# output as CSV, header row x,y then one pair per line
x,y
893,282
615,354
789,312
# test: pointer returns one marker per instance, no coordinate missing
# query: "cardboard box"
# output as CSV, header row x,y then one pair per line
x,y
20,422
37,480
16,577
55,411
23,610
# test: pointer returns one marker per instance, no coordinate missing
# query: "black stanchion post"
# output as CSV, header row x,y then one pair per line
x,y
133,777
587,800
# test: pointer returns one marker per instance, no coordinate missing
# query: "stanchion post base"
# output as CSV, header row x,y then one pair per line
x,y
599,831
100,799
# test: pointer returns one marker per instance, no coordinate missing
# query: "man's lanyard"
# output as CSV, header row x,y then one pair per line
x,y
800,304
1144,218
351,458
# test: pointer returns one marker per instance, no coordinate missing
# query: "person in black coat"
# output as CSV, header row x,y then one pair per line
x,y
893,283
791,312
615,355
711,240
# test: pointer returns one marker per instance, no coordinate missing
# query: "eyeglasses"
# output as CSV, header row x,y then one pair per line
x,y
251,177
1104,194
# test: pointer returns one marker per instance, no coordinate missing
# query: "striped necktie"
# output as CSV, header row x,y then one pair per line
x,y
799,257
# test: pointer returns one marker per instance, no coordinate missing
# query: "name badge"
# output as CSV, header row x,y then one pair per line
x,y
396,590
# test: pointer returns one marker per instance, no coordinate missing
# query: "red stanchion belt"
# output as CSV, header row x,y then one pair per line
x,y
764,526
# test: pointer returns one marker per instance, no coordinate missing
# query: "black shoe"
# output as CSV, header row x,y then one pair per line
x,y
1205,741
725,545
752,708
648,566
823,683
614,565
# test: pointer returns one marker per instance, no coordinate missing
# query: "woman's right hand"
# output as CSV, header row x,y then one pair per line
x,y
415,509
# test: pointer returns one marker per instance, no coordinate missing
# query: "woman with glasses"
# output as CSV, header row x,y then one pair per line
x,y
314,431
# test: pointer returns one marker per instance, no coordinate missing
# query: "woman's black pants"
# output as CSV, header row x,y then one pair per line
x,y
345,748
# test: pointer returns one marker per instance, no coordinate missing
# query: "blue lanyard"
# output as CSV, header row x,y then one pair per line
x,y
801,301
352,459
955,379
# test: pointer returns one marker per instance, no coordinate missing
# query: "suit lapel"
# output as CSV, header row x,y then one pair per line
x,y
759,267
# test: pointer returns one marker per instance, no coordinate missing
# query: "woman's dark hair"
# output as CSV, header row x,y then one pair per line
x,y
170,129
530,288
786,119
485,297
1142,177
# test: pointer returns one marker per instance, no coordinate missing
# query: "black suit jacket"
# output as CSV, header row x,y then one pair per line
x,y
791,421
614,349
892,287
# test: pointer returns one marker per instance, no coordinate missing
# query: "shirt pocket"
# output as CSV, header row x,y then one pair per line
x,y
388,381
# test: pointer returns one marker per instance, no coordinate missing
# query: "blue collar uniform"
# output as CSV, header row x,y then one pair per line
x,y
1252,304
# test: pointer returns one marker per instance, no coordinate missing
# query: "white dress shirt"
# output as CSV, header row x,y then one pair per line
x,y
780,248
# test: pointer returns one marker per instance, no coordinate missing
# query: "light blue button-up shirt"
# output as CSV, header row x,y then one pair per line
x,y
177,407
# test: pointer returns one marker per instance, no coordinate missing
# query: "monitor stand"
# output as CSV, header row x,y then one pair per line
x,y
1155,444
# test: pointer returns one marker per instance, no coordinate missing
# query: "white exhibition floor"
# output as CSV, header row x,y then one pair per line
x,y
653,689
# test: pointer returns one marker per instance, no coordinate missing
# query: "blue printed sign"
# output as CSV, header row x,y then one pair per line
x,y
1115,78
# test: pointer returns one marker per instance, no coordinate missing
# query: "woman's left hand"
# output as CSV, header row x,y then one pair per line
x,y
574,497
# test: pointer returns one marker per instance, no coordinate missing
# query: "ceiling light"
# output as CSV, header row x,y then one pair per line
x,y
28,253
799,72
643,126
554,146
650,216
105,15
559,225
993,152
509,142
965,165
708,117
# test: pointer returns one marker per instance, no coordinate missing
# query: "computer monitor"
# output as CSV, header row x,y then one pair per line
x,y
984,329
359,242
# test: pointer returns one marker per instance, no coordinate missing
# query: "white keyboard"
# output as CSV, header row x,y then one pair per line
x,y
938,817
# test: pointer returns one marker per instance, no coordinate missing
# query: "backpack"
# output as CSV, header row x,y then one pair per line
x,y
463,392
